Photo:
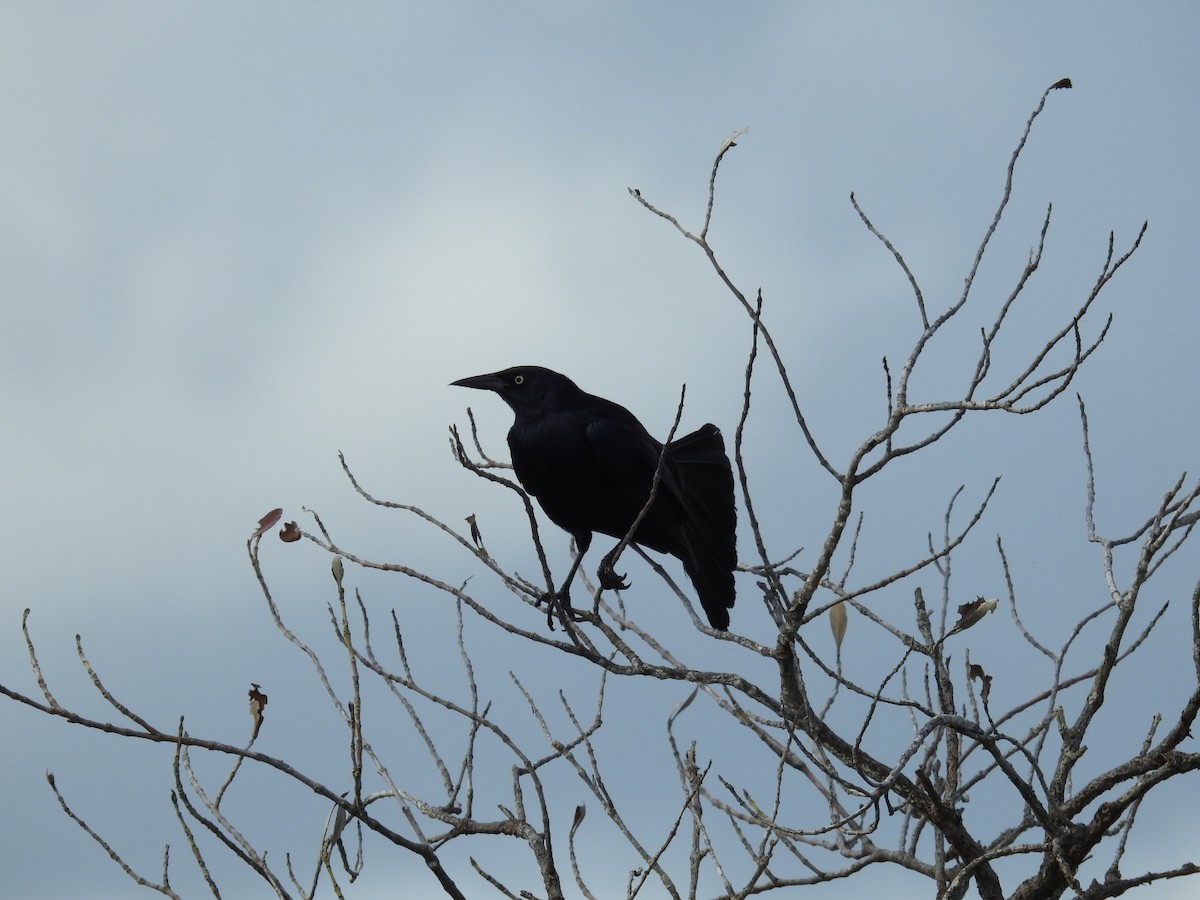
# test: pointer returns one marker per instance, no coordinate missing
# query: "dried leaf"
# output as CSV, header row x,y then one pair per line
x,y
258,703
985,680
687,701
266,522
289,533
1061,84
580,813
731,141
475,535
970,613
838,620
340,818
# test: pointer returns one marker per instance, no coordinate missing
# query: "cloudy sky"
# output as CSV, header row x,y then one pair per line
x,y
238,238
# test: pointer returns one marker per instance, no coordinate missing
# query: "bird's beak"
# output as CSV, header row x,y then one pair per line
x,y
480,382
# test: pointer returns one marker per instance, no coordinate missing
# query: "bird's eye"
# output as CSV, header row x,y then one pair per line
x,y
518,380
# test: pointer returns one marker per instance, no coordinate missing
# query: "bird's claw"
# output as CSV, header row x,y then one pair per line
x,y
609,579
559,602
555,598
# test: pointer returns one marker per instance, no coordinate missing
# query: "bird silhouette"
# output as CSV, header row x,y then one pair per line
x,y
591,466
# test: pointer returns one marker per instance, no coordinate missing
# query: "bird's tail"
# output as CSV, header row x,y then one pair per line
x,y
706,479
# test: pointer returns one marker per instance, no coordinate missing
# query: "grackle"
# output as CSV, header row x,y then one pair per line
x,y
591,464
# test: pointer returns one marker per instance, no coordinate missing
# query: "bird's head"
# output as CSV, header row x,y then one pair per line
x,y
527,389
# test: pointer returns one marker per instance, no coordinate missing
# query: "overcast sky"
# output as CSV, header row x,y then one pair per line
x,y
238,238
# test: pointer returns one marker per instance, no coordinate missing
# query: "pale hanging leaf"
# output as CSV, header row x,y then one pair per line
x,y
339,824
731,141
838,620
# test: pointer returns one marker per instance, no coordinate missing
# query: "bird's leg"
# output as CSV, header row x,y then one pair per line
x,y
607,575
560,600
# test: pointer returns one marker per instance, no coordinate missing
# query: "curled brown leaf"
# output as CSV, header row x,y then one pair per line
x,y
266,522
970,613
258,703
475,535
985,680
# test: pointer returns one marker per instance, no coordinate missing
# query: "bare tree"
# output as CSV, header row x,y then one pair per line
x,y
797,772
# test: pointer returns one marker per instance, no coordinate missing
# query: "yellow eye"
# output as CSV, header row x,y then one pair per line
x,y
518,380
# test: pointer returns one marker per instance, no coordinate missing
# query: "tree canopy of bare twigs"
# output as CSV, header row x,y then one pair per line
x,y
795,762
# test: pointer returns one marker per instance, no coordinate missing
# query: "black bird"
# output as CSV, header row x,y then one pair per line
x,y
591,464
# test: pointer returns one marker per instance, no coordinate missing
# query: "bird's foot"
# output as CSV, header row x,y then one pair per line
x,y
558,603
608,577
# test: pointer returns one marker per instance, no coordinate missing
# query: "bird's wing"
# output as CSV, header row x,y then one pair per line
x,y
705,477
629,456
693,517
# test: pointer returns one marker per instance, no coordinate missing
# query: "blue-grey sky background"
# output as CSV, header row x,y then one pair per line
x,y
238,239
